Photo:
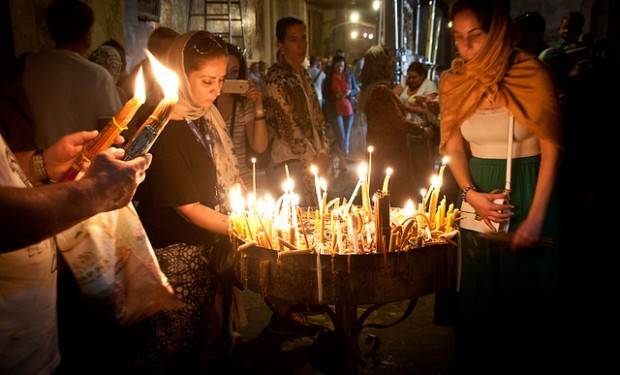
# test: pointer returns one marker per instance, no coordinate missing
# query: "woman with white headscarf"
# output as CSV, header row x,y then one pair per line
x,y
183,206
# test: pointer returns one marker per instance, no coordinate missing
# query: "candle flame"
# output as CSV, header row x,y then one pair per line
x,y
323,183
253,160
445,160
409,208
423,192
361,171
371,149
236,198
314,170
140,91
167,78
389,171
435,181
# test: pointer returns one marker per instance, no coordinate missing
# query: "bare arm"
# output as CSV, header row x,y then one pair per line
x,y
48,209
530,229
256,129
205,217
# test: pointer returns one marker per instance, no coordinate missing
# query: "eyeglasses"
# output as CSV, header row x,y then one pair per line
x,y
209,44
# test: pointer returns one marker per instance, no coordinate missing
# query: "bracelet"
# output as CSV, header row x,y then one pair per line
x,y
464,193
39,167
258,118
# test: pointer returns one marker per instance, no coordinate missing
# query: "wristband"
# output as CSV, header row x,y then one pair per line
x,y
39,167
258,118
464,193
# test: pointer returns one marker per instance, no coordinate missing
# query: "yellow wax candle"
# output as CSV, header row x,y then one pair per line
x,y
108,135
386,181
254,176
370,150
433,205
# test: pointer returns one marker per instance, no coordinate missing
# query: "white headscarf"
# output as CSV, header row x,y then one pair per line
x,y
223,157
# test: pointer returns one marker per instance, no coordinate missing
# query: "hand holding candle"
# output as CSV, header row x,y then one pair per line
x,y
106,137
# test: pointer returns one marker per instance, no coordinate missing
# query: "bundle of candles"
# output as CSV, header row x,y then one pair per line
x,y
148,132
339,226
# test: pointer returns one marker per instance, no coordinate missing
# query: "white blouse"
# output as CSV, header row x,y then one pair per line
x,y
487,133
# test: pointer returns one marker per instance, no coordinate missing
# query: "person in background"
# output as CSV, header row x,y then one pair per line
x,y
244,115
254,74
507,309
388,128
418,93
339,89
183,205
110,59
245,123
32,212
121,51
66,92
298,138
358,65
570,30
530,28
294,114
317,76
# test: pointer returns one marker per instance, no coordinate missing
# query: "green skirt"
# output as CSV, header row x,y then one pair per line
x,y
507,299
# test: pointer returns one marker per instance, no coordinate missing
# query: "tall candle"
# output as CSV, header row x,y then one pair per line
x,y
317,184
370,150
106,137
254,176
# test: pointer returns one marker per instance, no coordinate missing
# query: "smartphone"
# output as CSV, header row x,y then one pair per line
x,y
235,86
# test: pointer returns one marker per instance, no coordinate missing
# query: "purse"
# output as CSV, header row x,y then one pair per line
x,y
470,220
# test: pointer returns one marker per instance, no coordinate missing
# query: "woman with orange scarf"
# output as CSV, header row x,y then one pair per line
x,y
508,289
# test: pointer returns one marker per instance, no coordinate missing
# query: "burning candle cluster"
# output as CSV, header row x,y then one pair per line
x,y
339,226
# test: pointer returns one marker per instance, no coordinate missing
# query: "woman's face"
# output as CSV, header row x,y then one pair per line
x,y
468,34
339,67
233,67
414,80
206,82
295,45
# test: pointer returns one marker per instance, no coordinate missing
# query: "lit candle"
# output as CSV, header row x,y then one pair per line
x,y
317,184
388,173
147,134
114,127
323,209
370,150
254,176
324,200
361,174
444,161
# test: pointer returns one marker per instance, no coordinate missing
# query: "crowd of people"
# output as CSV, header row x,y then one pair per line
x,y
508,302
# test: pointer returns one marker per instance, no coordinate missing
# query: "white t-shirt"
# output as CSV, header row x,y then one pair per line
x,y
317,76
67,93
28,326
